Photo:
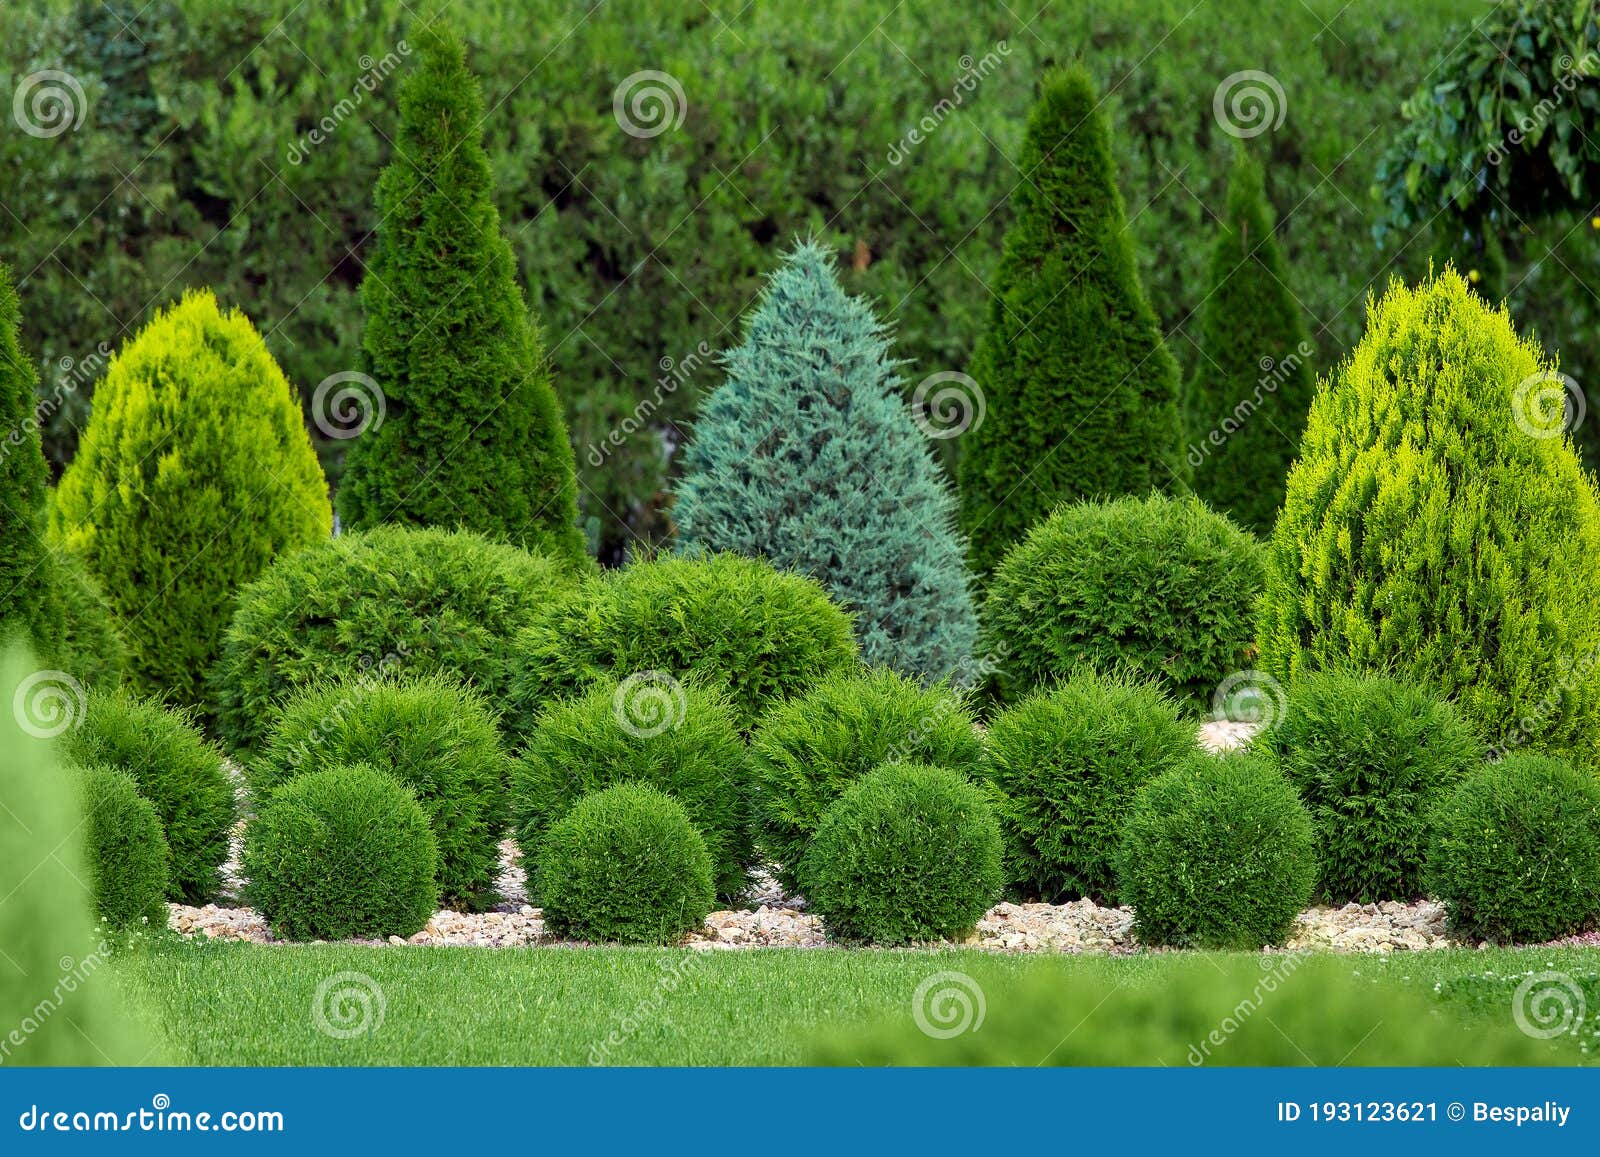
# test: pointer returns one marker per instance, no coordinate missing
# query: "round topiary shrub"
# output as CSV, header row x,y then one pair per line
x,y
1370,756
1069,762
758,633
807,750
124,848
909,852
1514,853
393,598
1217,853
1160,586
625,865
174,767
431,734
194,471
676,737
1439,525
341,852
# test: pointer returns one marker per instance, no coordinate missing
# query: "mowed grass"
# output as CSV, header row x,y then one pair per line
x,y
236,1004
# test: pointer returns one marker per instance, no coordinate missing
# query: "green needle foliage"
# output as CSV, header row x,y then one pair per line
x,y
194,472
808,456
472,434
1253,384
56,998
1440,527
1081,394
45,597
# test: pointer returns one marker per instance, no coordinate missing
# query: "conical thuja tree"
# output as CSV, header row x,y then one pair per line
x,y
1247,400
26,603
1081,394
472,434
808,456
1438,525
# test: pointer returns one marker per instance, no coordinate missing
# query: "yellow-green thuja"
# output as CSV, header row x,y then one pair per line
x,y
194,472
1438,525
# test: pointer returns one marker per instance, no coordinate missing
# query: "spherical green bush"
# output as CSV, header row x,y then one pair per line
x,y
677,737
1514,853
393,598
341,852
625,865
1217,853
1370,756
125,850
176,769
194,472
1440,525
909,852
432,735
807,750
1069,762
760,634
1160,586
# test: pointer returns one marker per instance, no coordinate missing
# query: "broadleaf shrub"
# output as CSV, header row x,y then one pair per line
x,y
176,769
1246,402
1439,526
1159,586
433,735
809,749
1069,761
1370,756
340,852
680,739
908,852
194,472
625,865
472,434
1081,393
759,634
808,456
125,849
1514,853
397,599
1217,852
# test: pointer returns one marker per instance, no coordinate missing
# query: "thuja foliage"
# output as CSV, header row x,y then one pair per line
x,y
1439,525
194,472
45,597
46,920
176,769
1246,403
808,456
124,849
472,434
1081,394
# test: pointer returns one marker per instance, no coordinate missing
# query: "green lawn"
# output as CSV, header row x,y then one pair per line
x,y
234,1004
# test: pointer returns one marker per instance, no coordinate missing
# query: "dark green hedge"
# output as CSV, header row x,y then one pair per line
x,y
786,122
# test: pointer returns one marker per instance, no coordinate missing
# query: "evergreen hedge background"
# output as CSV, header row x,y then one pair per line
x,y
608,229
